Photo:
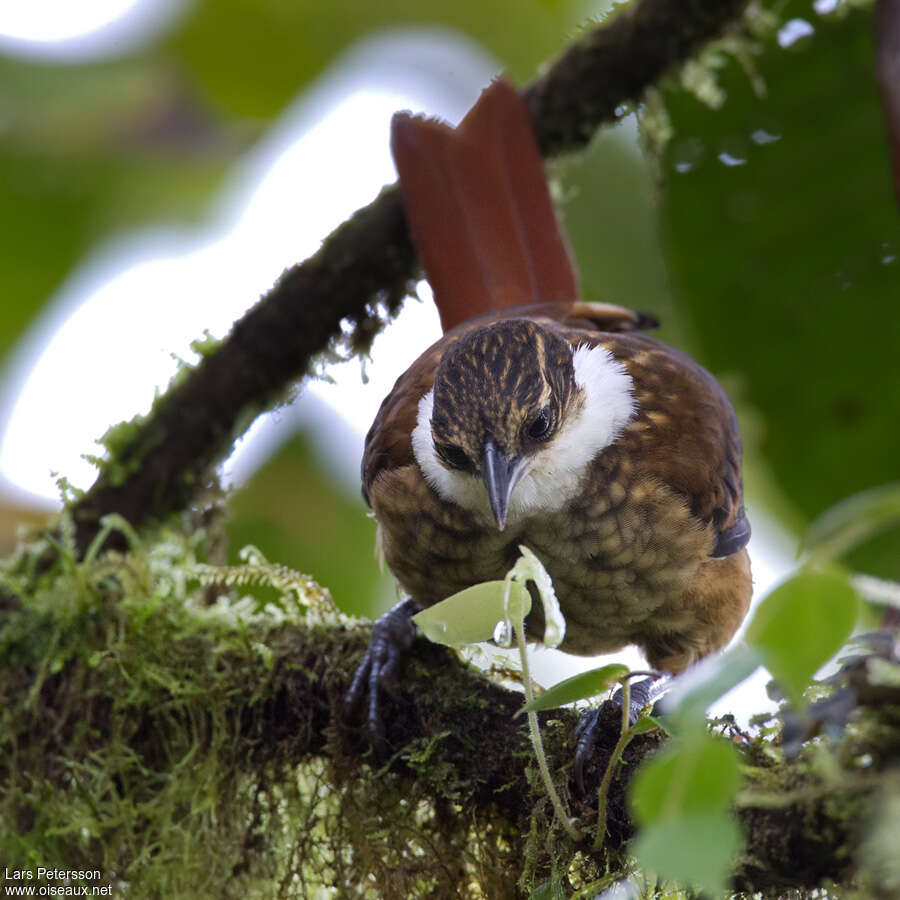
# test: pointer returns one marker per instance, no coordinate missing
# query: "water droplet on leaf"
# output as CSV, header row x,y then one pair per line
x,y
503,634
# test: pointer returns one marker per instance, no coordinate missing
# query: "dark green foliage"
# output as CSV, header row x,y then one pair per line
x,y
787,262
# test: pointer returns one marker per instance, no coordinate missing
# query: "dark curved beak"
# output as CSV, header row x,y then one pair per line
x,y
500,474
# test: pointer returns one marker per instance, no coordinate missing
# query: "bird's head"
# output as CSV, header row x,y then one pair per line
x,y
515,416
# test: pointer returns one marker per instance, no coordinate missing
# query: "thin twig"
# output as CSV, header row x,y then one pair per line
x,y
538,744
625,736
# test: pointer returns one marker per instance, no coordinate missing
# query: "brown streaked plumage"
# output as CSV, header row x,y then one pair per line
x,y
542,420
632,556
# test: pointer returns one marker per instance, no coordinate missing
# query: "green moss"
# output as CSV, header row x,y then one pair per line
x,y
117,747
136,737
206,345
150,720
116,441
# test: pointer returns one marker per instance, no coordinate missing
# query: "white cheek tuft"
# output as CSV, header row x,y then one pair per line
x,y
607,405
459,487
609,395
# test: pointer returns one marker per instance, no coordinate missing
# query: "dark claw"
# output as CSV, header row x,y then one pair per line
x,y
641,695
392,636
585,738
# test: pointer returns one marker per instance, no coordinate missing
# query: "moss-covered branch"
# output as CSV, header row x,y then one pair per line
x,y
362,272
615,63
188,748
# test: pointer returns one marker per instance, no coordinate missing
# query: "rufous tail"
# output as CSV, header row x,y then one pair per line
x,y
479,209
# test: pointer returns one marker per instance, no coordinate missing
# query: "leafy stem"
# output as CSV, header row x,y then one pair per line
x,y
626,733
535,731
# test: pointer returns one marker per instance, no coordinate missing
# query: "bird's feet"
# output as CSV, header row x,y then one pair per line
x,y
641,694
392,636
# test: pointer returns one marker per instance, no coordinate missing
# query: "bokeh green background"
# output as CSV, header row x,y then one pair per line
x,y
764,234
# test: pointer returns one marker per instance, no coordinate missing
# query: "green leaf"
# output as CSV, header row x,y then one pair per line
x,y
664,723
801,624
643,725
472,615
682,797
578,687
710,681
852,521
697,849
697,775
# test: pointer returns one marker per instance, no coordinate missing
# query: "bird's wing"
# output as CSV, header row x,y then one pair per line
x,y
479,209
684,433
389,441
592,317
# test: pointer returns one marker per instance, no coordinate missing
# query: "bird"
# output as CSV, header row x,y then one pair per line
x,y
544,420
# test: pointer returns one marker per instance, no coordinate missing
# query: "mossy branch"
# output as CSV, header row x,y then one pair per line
x,y
172,743
362,272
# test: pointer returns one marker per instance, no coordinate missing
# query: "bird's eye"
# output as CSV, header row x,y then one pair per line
x,y
539,428
454,456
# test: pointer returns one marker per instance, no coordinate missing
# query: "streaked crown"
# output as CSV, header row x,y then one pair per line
x,y
509,382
